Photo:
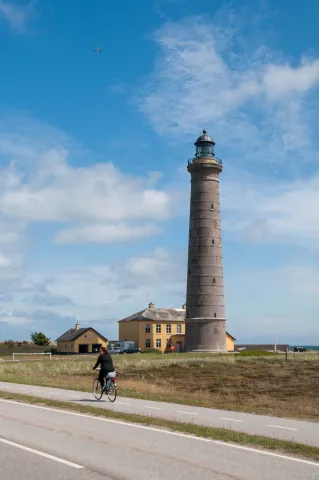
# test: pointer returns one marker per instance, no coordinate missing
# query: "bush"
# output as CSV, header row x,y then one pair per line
x,y
152,350
255,353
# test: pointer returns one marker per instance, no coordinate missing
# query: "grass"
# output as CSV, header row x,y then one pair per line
x,y
286,447
262,384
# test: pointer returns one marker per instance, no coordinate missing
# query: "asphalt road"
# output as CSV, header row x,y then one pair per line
x,y
39,441
281,428
20,464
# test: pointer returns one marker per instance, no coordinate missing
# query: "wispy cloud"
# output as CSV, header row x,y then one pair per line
x,y
264,210
207,75
17,15
108,233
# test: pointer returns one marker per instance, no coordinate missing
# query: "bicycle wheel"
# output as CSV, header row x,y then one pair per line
x,y
97,389
111,391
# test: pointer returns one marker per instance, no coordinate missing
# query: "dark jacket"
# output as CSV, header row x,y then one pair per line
x,y
106,362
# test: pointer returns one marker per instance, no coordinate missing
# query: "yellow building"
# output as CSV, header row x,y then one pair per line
x,y
80,340
159,328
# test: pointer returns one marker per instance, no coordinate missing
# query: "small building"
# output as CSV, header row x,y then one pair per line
x,y
159,328
262,347
80,340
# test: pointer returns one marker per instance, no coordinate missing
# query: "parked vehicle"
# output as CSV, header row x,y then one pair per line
x,y
300,349
114,350
131,350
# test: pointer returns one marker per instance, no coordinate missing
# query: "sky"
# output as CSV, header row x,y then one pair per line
x,y
94,190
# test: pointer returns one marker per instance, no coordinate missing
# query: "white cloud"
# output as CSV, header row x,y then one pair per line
x,y
14,320
16,15
59,192
98,233
4,261
101,203
99,294
283,80
269,211
152,265
206,77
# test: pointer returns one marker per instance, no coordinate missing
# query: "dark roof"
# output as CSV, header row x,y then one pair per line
x,y
204,138
231,336
72,334
160,314
156,314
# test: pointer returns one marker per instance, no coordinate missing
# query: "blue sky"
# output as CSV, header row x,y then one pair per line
x,y
94,189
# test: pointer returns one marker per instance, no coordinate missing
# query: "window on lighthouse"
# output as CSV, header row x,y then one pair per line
x,y
212,206
213,243
214,281
215,315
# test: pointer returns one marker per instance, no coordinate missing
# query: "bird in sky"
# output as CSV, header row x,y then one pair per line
x,y
98,49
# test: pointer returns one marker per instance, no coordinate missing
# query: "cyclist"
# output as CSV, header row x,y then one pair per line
x,y
106,362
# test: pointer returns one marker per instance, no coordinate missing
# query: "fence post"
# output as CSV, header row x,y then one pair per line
x,y
286,354
50,355
13,357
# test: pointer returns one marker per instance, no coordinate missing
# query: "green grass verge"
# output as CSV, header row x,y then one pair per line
x,y
287,447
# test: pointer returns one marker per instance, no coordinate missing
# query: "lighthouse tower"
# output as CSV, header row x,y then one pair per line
x,y
205,311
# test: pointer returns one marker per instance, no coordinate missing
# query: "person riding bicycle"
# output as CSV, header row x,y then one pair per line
x,y
106,362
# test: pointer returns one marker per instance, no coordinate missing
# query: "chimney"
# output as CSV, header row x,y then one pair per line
x,y
77,326
184,306
151,305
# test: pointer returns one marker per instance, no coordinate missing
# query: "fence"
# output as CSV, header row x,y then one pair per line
x,y
21,353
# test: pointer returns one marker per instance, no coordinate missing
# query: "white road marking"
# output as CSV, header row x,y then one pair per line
x,y
187,413
166,432
152,408
54,393
36,391
231,419
123,403
73,396
41,454
286,428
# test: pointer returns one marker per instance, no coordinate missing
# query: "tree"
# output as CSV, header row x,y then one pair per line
x,y
40,339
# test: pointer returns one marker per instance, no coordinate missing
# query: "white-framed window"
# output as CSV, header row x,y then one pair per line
x,y
148,328
90,336
179,329
158,343
168,328
158,328
147,343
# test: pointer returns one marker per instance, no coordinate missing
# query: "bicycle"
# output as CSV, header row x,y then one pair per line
x,y
109,387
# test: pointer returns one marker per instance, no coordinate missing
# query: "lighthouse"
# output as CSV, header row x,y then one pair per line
x,y
205,321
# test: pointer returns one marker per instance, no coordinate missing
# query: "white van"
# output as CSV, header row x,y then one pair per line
x,y
114,350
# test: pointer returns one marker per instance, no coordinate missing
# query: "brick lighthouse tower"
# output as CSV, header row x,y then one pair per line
x,y
205,311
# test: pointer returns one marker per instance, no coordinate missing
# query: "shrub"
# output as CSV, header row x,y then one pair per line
x,y
152,350
255,353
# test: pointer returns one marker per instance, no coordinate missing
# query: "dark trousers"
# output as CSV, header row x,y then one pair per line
x,y
102,375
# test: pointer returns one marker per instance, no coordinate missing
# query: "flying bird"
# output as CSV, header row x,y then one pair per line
x,y
98,49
